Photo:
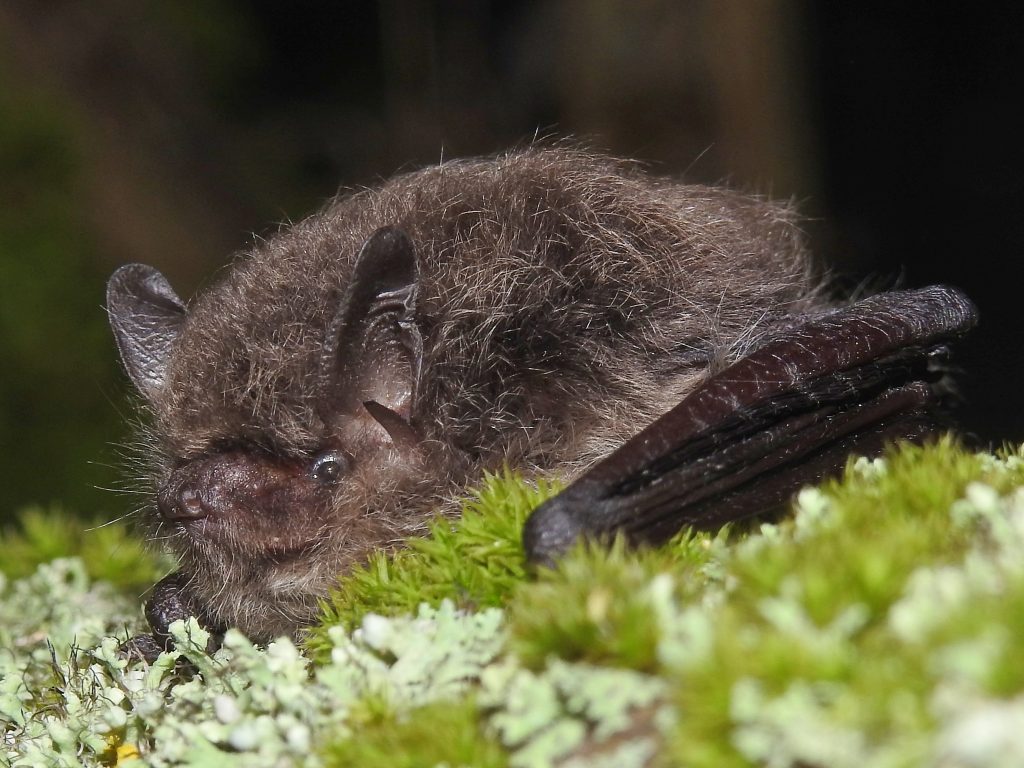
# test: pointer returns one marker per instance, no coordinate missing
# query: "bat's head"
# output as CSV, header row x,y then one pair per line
x,y
275,431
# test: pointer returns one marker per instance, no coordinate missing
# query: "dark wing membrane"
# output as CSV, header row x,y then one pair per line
x,y
786,415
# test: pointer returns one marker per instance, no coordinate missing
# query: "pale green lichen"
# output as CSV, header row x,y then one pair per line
x,y
978,732
567,709
243,706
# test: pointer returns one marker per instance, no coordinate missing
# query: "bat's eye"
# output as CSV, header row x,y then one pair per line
x,y
328,467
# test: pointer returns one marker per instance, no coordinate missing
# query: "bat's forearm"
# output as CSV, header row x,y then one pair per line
x,y
785,415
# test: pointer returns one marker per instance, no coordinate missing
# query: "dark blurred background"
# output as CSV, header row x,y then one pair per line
x,y
169,131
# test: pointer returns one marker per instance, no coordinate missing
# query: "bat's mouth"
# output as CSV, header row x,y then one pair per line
x,y
280,552
270,548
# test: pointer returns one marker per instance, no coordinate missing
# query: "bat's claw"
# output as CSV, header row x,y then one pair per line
x,y
141,648
550,531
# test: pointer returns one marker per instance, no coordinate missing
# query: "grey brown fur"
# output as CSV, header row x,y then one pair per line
x,y
564,301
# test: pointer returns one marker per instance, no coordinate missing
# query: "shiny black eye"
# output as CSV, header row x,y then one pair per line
x,y
328,467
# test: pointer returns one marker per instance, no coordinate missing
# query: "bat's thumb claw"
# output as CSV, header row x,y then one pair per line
x,y
551,530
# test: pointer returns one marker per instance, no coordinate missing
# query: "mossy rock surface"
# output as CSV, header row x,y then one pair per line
x,y
881,624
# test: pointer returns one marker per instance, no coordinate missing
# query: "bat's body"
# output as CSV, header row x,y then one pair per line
x,y
346,378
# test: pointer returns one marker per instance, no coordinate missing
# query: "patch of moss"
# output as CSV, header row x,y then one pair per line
x,y
598,603
109,551
881,526
475,561
447,733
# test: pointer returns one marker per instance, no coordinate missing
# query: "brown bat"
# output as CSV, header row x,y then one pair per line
x,y
346,379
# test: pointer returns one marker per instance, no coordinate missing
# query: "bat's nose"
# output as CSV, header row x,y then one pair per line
x,y
181,503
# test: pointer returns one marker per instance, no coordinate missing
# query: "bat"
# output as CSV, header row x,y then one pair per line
x,y
668,346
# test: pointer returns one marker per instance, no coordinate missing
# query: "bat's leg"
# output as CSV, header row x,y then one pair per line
x,y
786,415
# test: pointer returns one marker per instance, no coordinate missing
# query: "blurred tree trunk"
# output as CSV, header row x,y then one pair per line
x,y
712,87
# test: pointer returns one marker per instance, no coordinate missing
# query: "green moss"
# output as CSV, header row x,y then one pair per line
x,y
597,604
474,561
882,526
109,551
445,733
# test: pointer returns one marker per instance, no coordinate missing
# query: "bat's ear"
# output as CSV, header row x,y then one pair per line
x,y
374,349
146,316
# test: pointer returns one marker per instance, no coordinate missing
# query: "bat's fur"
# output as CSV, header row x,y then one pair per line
x,y
565,301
